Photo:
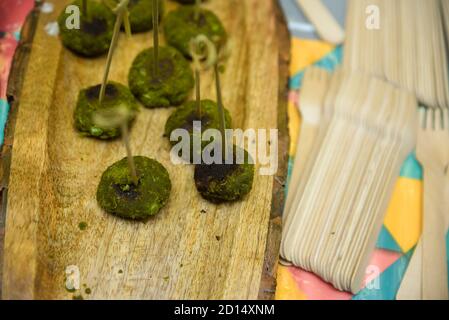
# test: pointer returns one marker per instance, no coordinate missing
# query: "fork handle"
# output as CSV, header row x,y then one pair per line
x,y
434,270
326,25
446,204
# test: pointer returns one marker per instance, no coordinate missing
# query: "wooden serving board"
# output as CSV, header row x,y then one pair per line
x,y
192,249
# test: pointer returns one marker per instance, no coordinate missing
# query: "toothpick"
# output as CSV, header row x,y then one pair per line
x,y
129,154
220,109
196,57
197,92
201,48
84,8
120,10
197,9
127,24
118,117
156,37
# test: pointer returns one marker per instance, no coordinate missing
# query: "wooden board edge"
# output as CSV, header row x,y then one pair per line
x,y
268,279
15,82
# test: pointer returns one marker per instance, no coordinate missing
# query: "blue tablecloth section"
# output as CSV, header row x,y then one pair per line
x,y
4,110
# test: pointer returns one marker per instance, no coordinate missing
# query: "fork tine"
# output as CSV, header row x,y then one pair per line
x,y
429,119
422,118
446,118
438,119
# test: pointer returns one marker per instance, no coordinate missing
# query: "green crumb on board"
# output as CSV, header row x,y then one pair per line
x,y
88,291
82,225
120,271
78,297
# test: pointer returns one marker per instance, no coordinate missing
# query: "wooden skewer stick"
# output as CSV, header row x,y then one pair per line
x,y
196,57
197,9
120,10
129,154
118,117
156,37
220,110
198,92
84,8
127,24
201,48
210,52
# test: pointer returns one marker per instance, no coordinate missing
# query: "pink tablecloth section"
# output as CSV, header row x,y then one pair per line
x,y
12,16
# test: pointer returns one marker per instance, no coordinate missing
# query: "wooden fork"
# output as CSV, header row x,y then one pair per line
x,y
311,103
324,22
433,153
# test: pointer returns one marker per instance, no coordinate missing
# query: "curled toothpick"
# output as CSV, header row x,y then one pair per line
x,y
111,118
220,109
203,52
221,55
201,48
120,10
224,52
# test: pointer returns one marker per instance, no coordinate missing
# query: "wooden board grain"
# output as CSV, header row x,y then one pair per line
x,y
192,249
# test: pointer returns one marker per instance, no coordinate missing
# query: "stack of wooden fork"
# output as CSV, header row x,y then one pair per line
x,y
427,274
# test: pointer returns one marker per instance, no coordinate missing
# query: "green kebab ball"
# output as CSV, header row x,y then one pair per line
x,y
219,183
118,195
95,33
141,14
116,95
184,116
170,87
180,26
